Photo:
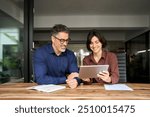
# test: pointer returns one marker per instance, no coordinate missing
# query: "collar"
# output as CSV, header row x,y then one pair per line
x,y
104,52
51,50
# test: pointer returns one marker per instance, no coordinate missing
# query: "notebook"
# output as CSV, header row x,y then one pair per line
x,y
47,88
91,71
117,87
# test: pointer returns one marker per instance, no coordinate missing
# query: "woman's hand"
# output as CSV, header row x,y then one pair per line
x,y
104,75
87,81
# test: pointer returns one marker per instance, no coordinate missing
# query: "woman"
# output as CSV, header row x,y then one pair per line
x,y
99,56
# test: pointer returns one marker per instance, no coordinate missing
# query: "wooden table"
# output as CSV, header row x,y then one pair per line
x,y
18,91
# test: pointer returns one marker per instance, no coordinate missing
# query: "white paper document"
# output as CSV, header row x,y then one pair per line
x,y
117,87
47,88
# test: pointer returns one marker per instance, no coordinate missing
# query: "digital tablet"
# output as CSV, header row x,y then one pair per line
x,y
91,71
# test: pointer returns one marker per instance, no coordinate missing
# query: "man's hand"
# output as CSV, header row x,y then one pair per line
x,y
73,75
72,83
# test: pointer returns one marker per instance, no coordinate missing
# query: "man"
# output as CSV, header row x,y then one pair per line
x,y
54,63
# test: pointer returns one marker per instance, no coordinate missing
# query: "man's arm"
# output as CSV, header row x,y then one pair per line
x,y
73,78
40,71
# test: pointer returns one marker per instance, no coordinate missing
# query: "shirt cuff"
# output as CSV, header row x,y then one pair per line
x,y
78,80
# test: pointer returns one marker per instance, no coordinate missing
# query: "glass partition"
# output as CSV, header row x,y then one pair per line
x,y
138,59
11,45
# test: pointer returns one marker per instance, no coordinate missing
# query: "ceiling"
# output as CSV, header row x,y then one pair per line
x,y
92,7
86,7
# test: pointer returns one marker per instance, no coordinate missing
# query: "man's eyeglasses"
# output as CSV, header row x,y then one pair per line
x,y
62,41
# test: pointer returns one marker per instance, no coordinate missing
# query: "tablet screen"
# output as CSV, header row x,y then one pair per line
x,y
91,71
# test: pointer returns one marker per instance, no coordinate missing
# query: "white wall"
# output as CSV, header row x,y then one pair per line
x,y
104,21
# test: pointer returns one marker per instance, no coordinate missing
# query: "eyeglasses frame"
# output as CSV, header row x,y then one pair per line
x,y
62,41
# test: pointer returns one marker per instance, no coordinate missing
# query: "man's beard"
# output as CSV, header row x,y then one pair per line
x,y
63,49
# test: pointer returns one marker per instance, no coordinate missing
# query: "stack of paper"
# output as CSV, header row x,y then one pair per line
x,y
47,88
117,87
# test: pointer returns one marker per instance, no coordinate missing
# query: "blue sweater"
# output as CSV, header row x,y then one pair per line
x,y
52,69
